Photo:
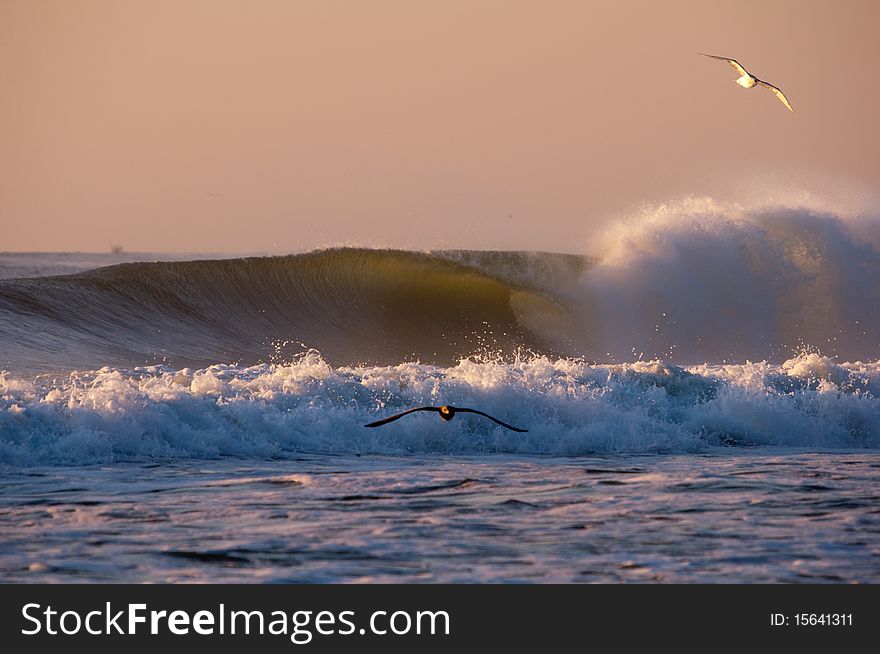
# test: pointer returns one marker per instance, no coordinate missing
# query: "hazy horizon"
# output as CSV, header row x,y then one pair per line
x,y
208,127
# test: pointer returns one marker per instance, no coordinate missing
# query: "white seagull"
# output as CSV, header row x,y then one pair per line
x,y
747,80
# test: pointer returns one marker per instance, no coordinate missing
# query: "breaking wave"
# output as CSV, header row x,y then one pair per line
x,y
690,282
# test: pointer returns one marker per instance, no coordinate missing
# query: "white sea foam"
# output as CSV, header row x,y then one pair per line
x,y
568,406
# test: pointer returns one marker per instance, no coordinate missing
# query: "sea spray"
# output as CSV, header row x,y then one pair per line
x,y
697,280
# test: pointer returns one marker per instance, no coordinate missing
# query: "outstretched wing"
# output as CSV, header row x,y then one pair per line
x,y
779,94
733,62
385,421
486,415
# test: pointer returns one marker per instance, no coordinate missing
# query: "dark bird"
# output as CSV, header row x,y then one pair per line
x,y
447,413
747,80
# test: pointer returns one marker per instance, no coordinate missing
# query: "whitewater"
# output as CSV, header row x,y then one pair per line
x,y
569,407
701,391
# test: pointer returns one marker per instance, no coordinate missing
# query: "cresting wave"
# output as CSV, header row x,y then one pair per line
x,y
689,282
307,406
356,306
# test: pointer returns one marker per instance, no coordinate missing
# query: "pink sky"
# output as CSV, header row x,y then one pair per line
x,y
285,125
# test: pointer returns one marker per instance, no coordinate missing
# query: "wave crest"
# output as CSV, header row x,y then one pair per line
x,y
690,281
356,306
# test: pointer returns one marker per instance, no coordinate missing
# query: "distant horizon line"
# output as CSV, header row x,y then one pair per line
x,y
110,252
262,253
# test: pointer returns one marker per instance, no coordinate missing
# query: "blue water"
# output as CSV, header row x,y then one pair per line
x,y
756,515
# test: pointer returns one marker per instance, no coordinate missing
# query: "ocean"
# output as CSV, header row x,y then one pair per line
x,y
702,400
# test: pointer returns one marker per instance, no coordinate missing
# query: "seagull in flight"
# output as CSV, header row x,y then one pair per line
x,y
747,80
447,413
